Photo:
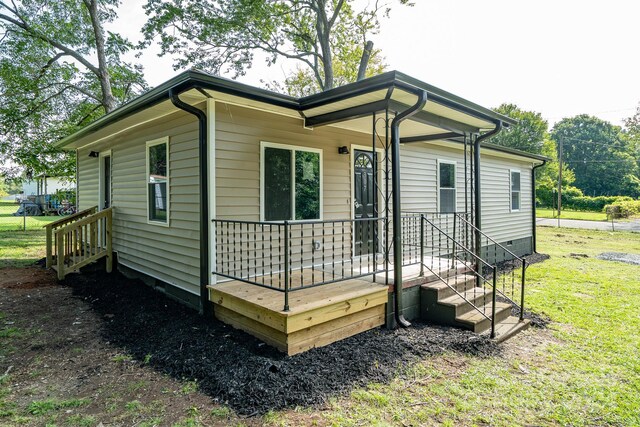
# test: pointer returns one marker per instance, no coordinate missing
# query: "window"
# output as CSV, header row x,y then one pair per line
x,y
515,190
291,183
446,186
158,181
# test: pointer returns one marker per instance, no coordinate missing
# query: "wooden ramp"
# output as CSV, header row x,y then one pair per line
x,y
317,316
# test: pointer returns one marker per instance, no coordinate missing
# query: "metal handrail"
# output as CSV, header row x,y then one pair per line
x,y
423,219
516,257
489,238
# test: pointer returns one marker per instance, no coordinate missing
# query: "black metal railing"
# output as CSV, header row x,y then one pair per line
x,y
511,268
429,241
414,239
292,255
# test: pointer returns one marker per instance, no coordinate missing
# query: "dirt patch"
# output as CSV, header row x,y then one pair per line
x,y
52,352
26,278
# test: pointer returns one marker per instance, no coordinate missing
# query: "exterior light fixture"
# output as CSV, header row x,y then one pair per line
x,y
343,150
94,154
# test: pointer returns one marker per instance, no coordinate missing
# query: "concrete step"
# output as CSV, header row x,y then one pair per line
x,y
476,322
509,327
462,303
460,283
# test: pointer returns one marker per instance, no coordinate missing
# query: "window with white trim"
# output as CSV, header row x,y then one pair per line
x,y
291,182
158,181
514,180
447,186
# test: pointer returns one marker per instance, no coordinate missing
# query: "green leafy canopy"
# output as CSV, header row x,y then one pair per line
x,y
59,70
328,38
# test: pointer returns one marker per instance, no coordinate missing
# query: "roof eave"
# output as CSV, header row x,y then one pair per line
x,y
184,81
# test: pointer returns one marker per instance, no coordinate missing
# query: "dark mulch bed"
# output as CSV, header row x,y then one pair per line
x,y
237,369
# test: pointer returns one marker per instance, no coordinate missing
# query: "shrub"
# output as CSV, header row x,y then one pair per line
x,y
624,208
593,204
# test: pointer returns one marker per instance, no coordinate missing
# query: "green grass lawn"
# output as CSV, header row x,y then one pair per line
x,y
583,215
21,248
583,371
8,222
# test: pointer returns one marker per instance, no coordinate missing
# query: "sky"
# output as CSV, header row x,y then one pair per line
x,y
557,57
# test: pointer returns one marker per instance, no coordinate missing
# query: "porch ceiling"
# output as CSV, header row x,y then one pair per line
x,y
355,113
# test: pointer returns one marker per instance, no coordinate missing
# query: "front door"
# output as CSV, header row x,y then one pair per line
x,y
365,197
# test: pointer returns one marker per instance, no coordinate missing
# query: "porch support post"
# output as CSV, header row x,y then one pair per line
x,y
397,213
477,183
205,273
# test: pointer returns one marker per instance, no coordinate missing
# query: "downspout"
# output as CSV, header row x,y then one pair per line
x,y
204,199
533,203
397,214
476,178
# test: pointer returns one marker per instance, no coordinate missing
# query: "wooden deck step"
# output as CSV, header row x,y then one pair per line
x,y
317,316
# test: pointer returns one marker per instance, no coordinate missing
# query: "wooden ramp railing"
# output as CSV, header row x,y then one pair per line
x,y
78,240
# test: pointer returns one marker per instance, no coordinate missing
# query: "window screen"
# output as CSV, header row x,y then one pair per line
x,y
277,184
291,184
447,184
515,190
157,182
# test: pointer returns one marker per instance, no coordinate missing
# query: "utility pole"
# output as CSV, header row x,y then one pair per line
x,y
560,180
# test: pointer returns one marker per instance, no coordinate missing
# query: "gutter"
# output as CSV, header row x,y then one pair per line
x,y
533,203
205,305
476,178
395,185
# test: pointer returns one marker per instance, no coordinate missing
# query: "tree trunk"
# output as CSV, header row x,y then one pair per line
x,y
364,61
108,100
323,32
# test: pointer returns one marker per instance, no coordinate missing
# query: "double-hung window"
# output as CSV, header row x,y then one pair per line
x,y
158,181
514,181
291,182
446,186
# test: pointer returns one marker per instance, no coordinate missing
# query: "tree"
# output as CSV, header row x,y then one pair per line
x,y
58,71
301,81
632,130
599,153
528,135
3,188
547,176
224,35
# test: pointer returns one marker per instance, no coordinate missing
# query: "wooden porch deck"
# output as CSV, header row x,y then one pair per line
x,y
317,316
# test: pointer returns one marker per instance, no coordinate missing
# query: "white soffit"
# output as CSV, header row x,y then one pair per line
x,y
128,123
441,110
347,103
407,127
250,103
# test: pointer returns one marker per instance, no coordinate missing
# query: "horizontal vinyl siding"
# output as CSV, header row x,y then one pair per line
x,y
88,180
420,192
238,134
497,219
170,254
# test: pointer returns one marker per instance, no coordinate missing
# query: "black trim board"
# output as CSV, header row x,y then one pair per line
x,y
195,79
